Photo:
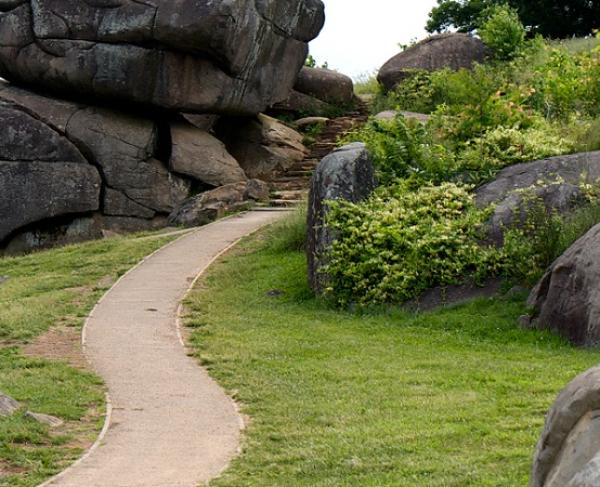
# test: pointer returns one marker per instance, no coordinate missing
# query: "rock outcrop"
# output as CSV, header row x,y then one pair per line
x,y
567,298
555,182
202,156
211,205
452,50
214,56
326,85
65,160
263,145
568,452
347,173
42,174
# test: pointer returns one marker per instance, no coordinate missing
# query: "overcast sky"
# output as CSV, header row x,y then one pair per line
x,y
359,36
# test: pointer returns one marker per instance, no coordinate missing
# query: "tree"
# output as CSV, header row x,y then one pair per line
x,y
551,18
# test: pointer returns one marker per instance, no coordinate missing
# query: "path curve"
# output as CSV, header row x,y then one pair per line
x,y
170,424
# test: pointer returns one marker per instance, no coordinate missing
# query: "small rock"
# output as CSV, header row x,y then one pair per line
x,y
391,114
308,121
525,321
275,293
46,419
8,406
3,279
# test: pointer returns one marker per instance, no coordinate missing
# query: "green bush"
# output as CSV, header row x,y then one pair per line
x,y
503,32
403,149
403,241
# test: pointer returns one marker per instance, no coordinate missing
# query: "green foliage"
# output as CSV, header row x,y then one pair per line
x,y
550,18
503,32
403,149
289,235
403,241
367,84
311,62
385,398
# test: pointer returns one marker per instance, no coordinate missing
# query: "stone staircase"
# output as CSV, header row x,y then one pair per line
x,y
290,188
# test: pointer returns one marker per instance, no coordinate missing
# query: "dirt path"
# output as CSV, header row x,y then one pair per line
x,y
169,424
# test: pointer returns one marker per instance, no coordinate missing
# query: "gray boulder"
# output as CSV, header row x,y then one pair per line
x,y
264,146
300,104
8,406
125,148
347,173
198,154
568,452
212,205
42,174
452,50
326,85
554,182
234,56
567,298
392,114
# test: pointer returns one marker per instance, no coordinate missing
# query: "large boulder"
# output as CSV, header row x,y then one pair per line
x,y
567,298
42,174
211,205
124,148
553,182
263,145
225,56
347,173
198,154
326,85
301,105
568,452
451,50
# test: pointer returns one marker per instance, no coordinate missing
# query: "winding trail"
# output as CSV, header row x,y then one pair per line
x,y
169,423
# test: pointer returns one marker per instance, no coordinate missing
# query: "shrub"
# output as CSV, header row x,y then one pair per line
x,y
403,241
503,32
403,149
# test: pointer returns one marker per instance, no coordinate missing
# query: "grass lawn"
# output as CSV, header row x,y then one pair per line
x,y
53,290
450,398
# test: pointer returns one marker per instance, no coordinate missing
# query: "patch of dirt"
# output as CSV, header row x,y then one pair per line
x,y
60,343
7,469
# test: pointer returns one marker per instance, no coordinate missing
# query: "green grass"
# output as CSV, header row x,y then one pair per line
x,y
450,398
46,289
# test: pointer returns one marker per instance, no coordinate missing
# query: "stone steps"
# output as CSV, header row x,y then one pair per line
x,y
290,188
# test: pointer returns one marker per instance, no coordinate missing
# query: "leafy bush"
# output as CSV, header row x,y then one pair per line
x,y
403,241
503,32
403,149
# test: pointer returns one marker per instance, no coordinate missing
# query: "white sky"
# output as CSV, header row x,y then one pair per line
x,y
359,36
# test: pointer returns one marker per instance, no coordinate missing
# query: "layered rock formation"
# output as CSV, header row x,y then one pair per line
x,y
237,56
160,76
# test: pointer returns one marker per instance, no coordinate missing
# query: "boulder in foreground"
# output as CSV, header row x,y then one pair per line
x,y
568,452
347,173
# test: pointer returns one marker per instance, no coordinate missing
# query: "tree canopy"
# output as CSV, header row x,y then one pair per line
x,y
551,18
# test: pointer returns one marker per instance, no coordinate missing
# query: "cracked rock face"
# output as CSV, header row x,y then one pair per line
x,y
42,174
61,159
216,56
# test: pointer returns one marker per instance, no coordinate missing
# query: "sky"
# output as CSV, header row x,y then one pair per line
x,y
359,36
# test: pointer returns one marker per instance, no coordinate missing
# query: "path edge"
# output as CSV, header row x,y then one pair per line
x,y
108,401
